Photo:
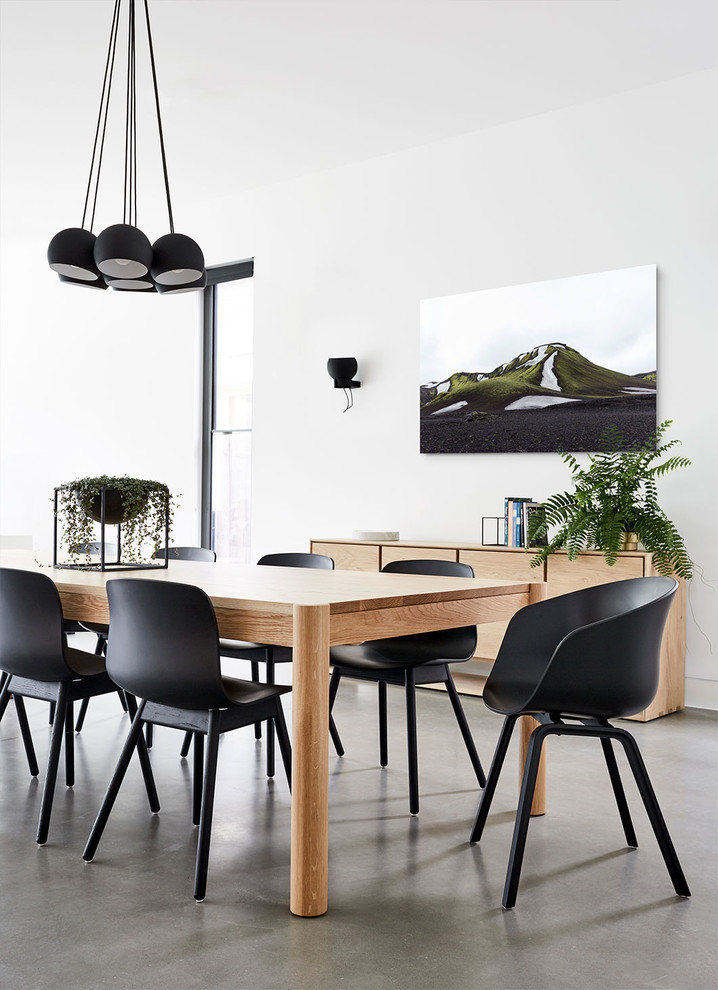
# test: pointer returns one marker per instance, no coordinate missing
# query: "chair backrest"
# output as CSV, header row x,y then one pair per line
x,y
317,560
32,641
592,652
163,645
444,644
186,553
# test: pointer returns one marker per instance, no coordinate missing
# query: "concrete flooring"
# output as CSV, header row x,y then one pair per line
x,y
412,904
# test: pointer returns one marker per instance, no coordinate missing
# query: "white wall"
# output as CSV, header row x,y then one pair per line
x,y
91,383
342,259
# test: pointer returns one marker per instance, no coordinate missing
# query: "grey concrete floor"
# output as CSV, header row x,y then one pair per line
x,y
412,904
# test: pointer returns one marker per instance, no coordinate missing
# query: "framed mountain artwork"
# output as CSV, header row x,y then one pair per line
x,y
540,367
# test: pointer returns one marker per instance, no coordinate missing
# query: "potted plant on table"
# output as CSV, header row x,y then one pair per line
x,y
615,504
141,509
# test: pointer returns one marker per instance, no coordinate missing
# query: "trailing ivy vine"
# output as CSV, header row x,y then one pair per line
x,y
144,504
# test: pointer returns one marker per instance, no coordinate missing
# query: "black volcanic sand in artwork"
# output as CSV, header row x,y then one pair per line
x,y
575,426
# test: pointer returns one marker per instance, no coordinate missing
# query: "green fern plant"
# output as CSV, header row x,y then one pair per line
x,y
616,494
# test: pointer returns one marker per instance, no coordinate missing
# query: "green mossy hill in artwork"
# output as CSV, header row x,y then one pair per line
x,y
144,506
554,371
616,494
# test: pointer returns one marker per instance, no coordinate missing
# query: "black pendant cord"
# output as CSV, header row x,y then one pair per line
x,y
129,117
159,117
102,118
133,166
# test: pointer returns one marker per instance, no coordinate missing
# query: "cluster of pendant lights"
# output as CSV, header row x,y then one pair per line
x,y
121,256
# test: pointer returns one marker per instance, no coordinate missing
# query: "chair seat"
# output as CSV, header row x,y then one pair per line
x,y
248,692
245,650
367,657
84,664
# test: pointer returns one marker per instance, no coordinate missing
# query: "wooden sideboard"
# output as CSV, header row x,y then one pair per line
x,y
561,574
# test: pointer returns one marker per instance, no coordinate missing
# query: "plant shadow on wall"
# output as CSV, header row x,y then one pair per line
x,y
615,496
141,509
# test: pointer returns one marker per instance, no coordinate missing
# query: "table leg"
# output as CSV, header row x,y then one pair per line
x,y
310,761
537,593
526,726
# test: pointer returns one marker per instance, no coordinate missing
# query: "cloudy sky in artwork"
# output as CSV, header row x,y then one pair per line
x,y
610,317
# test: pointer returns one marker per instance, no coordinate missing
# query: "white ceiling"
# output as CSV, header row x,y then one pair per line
x,y
258,91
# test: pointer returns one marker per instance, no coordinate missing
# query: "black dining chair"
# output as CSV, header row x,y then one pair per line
x,y
572,663
72,626
422,658
164,649
102,629
271,655
39,664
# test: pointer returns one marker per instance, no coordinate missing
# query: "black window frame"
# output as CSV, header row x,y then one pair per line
x,y
216,274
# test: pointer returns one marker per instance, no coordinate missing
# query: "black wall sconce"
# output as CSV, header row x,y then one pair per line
x,y
342,370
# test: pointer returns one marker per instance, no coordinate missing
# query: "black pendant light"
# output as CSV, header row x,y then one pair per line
x,y
99,284
71,254
174,290
122,256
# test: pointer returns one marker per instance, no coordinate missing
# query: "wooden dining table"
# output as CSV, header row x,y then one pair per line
x,y
308,610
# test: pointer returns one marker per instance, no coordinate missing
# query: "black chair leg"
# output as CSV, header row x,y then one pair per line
x,y
654,812
411,741
523,815
69,747
465,730
270,724
283,739
144,758
84,704
255,678
53,759
619,793
205,826
383,734
51,714
149,734
492,780
108,801
4,693
336,738
197,772
186,743
26,736
333,731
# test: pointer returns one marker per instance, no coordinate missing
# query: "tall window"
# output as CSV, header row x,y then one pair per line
x,y
227,415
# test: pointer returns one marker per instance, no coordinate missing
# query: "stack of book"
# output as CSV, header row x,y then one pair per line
x,y
517,513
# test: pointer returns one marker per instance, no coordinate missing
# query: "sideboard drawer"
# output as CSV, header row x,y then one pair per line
x,y
350,556
498,563
564,575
